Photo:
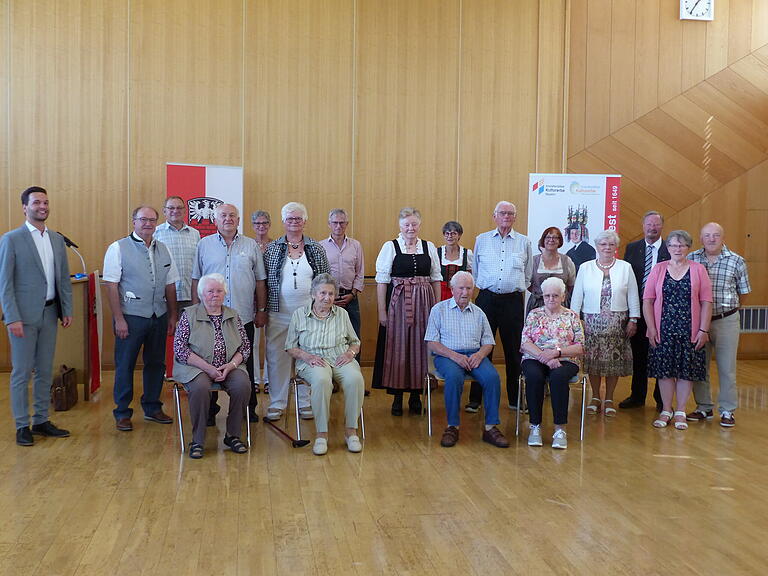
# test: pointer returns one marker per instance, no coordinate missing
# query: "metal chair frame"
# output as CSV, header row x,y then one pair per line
x,y
574,380
295,382
215,387
426,389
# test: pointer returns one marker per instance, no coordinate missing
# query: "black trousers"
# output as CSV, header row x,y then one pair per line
x,y
505,314
639,343
536,377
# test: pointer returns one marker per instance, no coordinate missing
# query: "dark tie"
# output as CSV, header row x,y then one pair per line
x,y
648,262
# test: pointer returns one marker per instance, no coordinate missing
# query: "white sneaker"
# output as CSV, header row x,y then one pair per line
x,y
320,447
353,444
273,414
534,438
559,440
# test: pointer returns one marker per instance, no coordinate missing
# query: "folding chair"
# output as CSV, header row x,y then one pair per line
x,y
295,382
432,380
574,380
215,387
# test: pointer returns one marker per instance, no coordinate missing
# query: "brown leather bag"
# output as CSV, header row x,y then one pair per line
x,y
64,389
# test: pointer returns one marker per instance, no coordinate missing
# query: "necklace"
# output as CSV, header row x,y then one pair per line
x,y
295,266
295,246
319,316
606,266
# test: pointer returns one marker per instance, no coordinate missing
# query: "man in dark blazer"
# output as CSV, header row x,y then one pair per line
x,y
643,255
35,291
581,251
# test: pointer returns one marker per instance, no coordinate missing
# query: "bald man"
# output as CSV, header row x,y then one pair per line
x,y
730,283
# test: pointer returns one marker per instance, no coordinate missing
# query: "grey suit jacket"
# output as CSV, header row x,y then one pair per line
x,y
22,279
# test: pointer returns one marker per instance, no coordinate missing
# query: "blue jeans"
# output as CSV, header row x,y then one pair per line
x,y
486,376
150,333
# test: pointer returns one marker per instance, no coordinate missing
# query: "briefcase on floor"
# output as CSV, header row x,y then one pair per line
x,y
64,389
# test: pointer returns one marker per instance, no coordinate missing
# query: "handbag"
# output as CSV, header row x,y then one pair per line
x,y
64,389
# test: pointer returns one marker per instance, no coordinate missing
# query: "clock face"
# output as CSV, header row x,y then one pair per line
x,y
697,9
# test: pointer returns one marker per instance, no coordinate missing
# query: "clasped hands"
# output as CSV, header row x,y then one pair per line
x,y
550,358
468,362
315,360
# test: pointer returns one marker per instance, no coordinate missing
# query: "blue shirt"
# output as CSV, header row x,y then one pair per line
x,y
458,329
503,265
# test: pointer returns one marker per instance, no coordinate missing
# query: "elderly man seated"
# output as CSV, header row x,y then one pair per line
x,y
460,337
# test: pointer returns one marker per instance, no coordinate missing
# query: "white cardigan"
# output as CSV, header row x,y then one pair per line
x,y
589,282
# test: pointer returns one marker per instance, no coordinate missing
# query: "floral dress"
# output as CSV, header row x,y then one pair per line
x,y
607,351
676,356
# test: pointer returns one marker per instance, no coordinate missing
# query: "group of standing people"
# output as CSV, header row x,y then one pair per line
x,y
303,296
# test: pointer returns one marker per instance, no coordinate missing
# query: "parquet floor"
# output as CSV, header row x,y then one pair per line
x,y
629,500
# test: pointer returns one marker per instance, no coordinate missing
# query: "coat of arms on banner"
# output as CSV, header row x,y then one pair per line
x,y
202,213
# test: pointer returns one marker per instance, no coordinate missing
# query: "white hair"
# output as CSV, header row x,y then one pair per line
x,y
207,279
554,282
496,209
220,207
294,207
609,235
459,275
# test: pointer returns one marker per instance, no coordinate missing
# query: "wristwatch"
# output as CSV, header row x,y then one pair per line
x,y
261,310
559,352
633,320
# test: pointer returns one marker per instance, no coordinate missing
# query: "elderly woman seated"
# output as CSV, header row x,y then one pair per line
x,y
324,344
211,346
552,340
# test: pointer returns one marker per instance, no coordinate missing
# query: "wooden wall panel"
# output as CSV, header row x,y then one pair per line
x,y
551,86
5,45
759,36
299,111
670,50
186,90
717,37
598,95
647,60
68,107
694,54
577,76
497,127
622,103
407,101
740,25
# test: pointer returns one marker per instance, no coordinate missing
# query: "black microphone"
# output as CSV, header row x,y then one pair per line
x,y
67,241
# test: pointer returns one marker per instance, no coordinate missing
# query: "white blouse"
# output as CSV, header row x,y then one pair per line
x,y
387,255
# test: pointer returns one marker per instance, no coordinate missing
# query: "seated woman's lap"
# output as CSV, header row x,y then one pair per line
x,y
236,382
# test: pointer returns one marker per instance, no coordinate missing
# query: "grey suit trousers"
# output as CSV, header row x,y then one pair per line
x,y
34,351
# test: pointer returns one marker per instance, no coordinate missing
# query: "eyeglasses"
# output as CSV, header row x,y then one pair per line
x,y
505,213
334,223
174,208
450,233
294,219
260,223
551,237
677,246
147,220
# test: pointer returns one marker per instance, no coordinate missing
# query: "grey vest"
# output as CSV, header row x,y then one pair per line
x,y
202,338
145,283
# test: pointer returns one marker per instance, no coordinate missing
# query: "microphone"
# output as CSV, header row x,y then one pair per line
x,y
67,241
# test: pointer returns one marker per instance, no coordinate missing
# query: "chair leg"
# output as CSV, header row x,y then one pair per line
x,y
362,422
583,405
247,428
296,407
178,414
519,407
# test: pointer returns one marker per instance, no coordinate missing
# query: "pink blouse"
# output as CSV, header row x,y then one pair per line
x,y
701,291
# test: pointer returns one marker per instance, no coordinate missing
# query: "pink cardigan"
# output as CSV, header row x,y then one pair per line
x,y
701,291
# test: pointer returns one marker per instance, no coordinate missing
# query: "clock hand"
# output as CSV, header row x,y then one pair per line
x,y
694,6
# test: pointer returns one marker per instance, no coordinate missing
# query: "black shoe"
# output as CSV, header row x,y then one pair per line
x,y
252,417
211,421
24,436
213,409
414,405
472,407
47,428
630,403
397,406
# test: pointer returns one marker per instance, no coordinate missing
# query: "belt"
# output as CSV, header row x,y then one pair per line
x,y
344,291
503,294
49,303
724,314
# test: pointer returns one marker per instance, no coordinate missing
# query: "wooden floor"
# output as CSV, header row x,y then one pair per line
x,y
629,500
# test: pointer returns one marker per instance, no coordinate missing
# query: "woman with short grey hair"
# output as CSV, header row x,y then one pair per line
x,y
323,342
606,292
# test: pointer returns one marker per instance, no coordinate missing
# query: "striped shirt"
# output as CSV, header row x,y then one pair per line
x,y
728,274
240,263
328,338
503,265
181,244
458,329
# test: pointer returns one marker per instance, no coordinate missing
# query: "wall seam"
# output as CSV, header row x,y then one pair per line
x,y
353,127
128,105
9,63
458,105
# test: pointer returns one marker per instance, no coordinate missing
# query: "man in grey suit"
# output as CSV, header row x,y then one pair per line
x,y
35,291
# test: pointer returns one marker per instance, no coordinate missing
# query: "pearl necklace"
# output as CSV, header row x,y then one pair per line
x,y
606,266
